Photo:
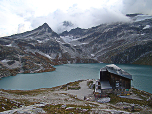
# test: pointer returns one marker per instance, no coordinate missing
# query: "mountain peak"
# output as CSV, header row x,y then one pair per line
x,y
47,28
45,25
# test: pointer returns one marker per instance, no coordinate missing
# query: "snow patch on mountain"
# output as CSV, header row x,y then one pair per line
x,y
9,45
5,61
48,56
146,27
92,55
141,17
15,64
67,39
39,41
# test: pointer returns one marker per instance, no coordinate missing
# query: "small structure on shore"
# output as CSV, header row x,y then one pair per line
x,y
113,80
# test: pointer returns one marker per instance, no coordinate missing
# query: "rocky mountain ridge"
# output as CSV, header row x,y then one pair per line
x,y
115,43
40,49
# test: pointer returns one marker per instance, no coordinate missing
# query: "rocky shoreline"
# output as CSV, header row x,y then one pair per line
x,y
69,98
45,65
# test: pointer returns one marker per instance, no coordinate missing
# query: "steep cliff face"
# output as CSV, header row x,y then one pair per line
x,y
38,50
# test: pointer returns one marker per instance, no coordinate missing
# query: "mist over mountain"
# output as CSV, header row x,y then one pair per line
x,y
77,17
64,26
42,48
21,16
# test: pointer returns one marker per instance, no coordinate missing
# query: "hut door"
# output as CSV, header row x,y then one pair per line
x,y
104,76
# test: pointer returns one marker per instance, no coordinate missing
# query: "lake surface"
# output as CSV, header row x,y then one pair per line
x,y
141,74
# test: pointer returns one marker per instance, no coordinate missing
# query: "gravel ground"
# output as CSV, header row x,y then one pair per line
x,y
59,96
84,91
32,109
51,97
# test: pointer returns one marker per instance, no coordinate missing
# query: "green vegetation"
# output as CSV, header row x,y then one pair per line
x,y
31,63
9,72
20,98
115,99
72,85
67,109
7,104
89,83
145,96
25,92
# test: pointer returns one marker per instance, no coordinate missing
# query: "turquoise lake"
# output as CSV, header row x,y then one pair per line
x,y
141,74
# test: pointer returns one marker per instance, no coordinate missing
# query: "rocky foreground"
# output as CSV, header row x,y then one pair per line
x,y
69,98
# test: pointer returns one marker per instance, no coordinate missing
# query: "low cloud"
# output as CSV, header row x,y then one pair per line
x,y
137,6
26,26
83,19
21,16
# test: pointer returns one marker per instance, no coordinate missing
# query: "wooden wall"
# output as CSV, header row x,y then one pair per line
x,y
122,83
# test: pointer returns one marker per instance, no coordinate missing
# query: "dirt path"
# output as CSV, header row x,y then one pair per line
x,y
84,91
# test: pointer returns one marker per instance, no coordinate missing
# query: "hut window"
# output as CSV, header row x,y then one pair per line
x,y
98,83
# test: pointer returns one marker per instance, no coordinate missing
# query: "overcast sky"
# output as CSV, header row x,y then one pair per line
x,y
18,16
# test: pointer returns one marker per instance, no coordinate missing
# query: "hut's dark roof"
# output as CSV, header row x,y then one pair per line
x,y
116,70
